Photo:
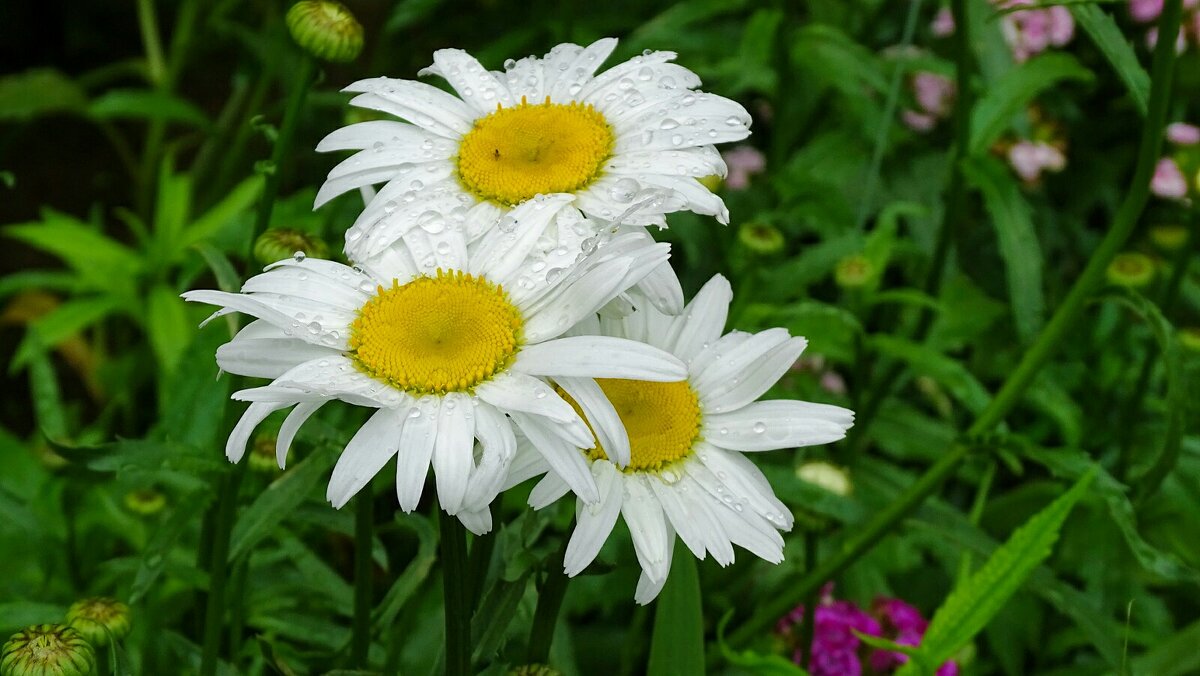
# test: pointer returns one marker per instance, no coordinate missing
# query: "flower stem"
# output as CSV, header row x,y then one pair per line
x,y
1044,347
360,644
218,569
808,625
545,618
283,143
453,547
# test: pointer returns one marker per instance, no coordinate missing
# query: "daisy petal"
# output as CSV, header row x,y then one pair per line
x,y
601,415
652,541
499,446
291,425
747,371
580,71
503,249
732,479
565,460
595,522
514,391
548,491
771,425
599,357
473,82
477,521
453,450
578,300
703,319
417,438
422,104
235,446
368,451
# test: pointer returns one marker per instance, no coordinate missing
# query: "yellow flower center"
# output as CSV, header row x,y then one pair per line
x,y
436,334
661,419
516,153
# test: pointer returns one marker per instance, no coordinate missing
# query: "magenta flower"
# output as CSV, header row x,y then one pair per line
x,y
1030,32
1168,181
1183,134
743,162
943,23
1145,11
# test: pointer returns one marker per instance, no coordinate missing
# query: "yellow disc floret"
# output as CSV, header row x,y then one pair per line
x,y
433,335
530,149
662,420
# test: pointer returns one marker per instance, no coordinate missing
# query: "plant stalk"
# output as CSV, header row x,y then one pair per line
x,y
545,618
283,143
218,569
360,643
453,546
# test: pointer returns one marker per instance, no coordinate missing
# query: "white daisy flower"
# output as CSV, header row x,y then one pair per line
x,y
669,457
629,143
449,350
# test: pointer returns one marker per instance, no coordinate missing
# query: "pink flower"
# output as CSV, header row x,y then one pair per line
x,y
1180,40
1031,31
1030,158
934,93
743,162
1145,11
1168,181
919,122
1183,134
943,23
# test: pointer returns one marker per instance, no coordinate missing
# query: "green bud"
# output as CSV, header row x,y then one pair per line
x,y
1130,269
146,501
712,182
763,239
534,670
47,650
280,243
1169,237
325,29
262,453
1189,338
853,272
98,618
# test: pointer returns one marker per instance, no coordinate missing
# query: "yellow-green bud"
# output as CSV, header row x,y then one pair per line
x,y
534,670
326,29
262,453
280,243
98,618
1169,237
826,475
1130,269
145,501
47,650
1189,338
761,238
853,272
712,182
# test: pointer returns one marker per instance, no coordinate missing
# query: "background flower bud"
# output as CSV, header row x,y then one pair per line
x,y
325,29
98,618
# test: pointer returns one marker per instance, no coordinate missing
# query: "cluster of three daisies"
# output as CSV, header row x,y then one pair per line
x,y
509,316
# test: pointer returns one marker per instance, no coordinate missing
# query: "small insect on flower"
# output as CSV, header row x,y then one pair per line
x,y
669,456
450,343
630,144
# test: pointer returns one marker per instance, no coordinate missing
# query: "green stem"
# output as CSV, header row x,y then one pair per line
x,y
360,644
1042,349
156,64
218,570
481,559
976,514
283,143
453,546
808,625
545,618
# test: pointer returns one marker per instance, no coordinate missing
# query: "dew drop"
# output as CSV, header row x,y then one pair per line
x,y
668,123
759,428
623,190
299,256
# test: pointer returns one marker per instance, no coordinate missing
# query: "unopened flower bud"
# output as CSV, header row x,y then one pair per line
x,y
826,475
1130,269
99,618
262,453
280,243
1169,237
46,649
1189,338
146,501
761,238
534,670
853,272
325,29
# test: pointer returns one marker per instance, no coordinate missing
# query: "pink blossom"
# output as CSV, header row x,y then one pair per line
x,y
1168,181
1180,40
1029,32
743,162
1183,134
943,23
1030,158
1145,11
919,122
934,93
833,382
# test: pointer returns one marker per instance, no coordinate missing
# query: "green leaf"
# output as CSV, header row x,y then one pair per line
x,y
154,556
1175,655
1012,93
172,204
1018,241
829,329
147,105
1072,464
15,615
240,199
66,320
495,614
677,644
24,96
228,278
51,280
414,573
1110,40
279,500
168,326
47,396
752,662
101,262
979,597
946,371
